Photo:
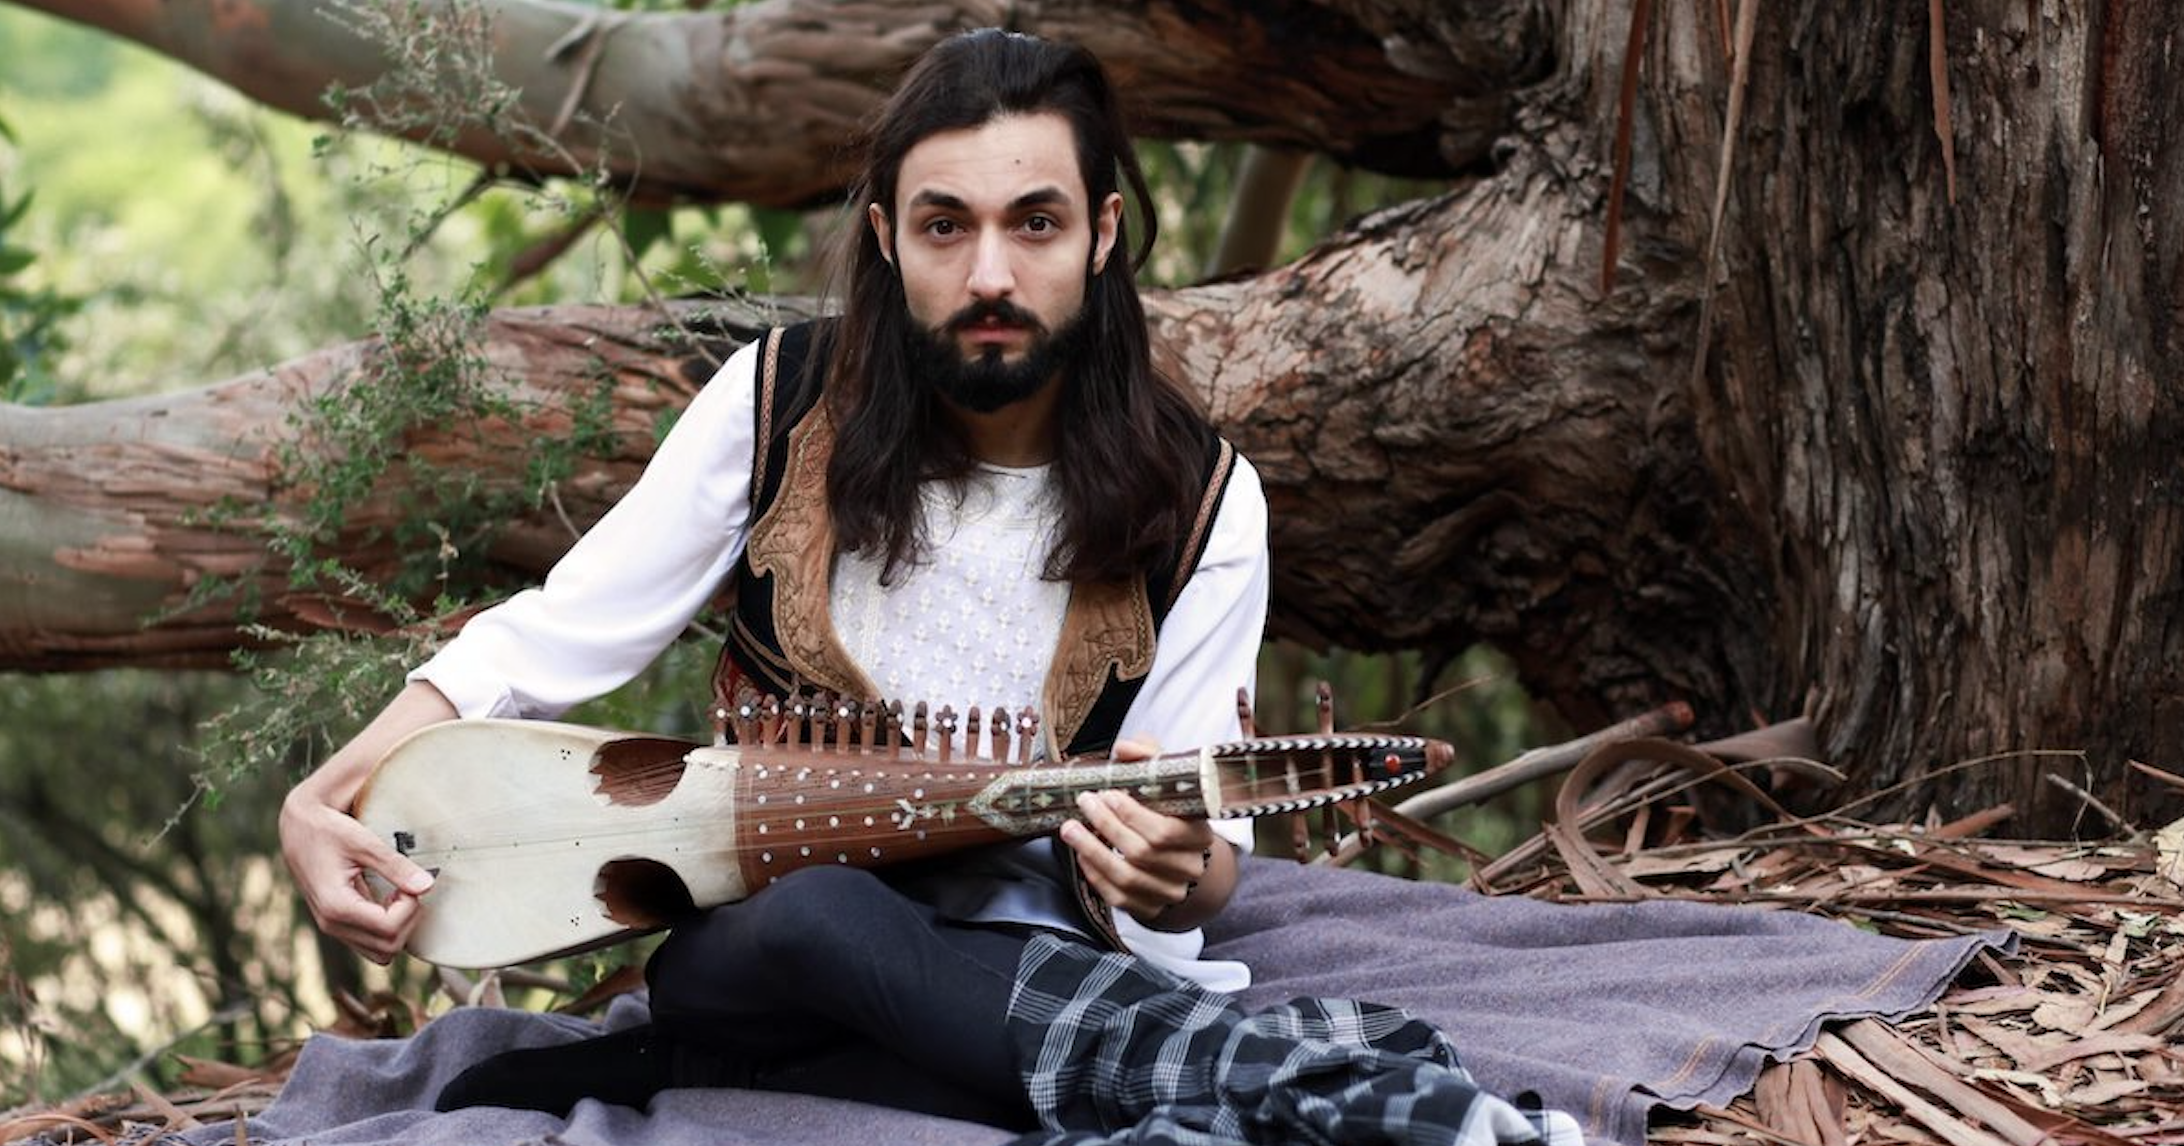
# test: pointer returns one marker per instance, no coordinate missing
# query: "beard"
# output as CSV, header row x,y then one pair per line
x,y
985,382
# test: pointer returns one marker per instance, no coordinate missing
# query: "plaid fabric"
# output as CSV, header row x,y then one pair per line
x,y
1117,1052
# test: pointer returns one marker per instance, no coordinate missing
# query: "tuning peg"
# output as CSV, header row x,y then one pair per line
x,y
1027,734
745,718
945,728
769,720
918,729
812,711
845,722
1000,734
1324,697
819,721
1243,713
801,730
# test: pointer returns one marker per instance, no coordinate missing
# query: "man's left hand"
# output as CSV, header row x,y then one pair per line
x,y
1169,874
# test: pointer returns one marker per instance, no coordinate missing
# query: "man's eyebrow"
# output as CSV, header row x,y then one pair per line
x,y
1037,197
1042,197
940,199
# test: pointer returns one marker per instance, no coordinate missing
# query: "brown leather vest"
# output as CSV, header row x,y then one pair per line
x,y
780,637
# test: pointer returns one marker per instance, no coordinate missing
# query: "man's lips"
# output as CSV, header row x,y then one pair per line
x,y
990,330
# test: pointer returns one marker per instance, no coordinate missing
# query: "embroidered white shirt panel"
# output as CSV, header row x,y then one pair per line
x,y
973,622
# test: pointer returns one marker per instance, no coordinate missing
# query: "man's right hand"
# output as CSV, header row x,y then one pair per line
x,y
332,857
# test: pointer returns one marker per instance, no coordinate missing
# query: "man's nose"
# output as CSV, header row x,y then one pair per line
x,y
992,276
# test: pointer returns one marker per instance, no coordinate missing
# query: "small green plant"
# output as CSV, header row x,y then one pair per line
x,y
308,693
439,80
30,316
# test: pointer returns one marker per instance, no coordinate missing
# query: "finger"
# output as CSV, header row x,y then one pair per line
x,y
1150,839
402,917
360,905
377,931
1108,814
372,947
1113,874
369,946
367,850
1096,860
1131,748
343,897
1124,886
1094,853
364,939
329,849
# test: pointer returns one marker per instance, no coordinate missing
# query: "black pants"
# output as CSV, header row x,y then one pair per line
x,y
832,983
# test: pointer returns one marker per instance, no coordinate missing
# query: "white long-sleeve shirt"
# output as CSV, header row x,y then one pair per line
x,y
632,584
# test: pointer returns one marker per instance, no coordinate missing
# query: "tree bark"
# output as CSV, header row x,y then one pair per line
x,y
1907,465
1952,430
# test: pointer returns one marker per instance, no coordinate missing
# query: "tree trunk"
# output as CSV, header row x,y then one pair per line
x,y
1951,430
1908,465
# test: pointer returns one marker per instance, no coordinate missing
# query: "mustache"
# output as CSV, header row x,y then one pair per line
x,y
994,310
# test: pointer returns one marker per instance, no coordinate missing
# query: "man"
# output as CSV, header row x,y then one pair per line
x,y
972,488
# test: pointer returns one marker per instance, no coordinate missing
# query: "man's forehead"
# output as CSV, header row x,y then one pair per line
x,y
1013,160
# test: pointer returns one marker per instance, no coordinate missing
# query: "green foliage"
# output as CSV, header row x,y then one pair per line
x,y
30,315
350,458
644,226
349,446
173,858
197,229
308,694
51,60
425,373
741,250
670,698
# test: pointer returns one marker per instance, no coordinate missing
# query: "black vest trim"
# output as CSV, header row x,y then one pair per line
x,y
787,390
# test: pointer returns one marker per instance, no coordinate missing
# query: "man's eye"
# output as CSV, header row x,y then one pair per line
x,y
1040,224
942,227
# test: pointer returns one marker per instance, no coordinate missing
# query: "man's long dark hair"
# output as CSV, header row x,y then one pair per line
x,y
1132,444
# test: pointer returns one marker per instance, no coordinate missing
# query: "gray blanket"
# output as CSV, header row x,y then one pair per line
x,y
1601,1011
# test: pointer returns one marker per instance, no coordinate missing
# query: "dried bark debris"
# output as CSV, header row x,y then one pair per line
x,y
143,1115
210,1092
2073,1041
